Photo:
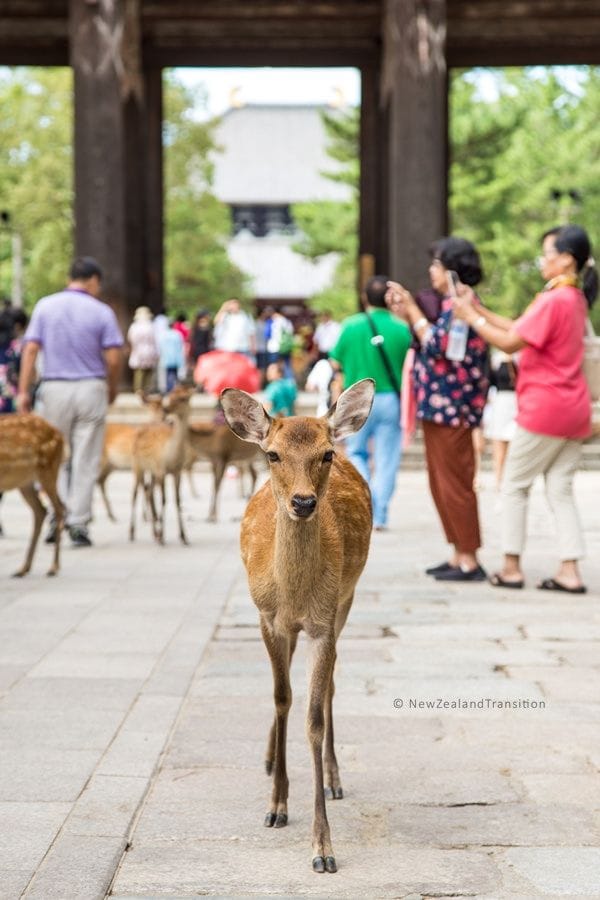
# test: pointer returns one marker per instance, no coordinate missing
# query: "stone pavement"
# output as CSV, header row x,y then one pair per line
x,y
136,699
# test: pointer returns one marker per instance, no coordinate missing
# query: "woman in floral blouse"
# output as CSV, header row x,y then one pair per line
x,y
451,396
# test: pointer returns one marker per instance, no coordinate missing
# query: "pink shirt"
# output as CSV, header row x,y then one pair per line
x,y
552,393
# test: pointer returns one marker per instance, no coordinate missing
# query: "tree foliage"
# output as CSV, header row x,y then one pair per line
x,y
36,185
36,189
523,161
332,226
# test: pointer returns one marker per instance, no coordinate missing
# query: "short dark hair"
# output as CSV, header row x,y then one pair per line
x,y
85,267
574,239
460,256
376,289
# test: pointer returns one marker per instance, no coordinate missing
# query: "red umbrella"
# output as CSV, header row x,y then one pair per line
x,y
220,369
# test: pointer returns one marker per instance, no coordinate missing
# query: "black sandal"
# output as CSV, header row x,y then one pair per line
x,y
551,584
496,580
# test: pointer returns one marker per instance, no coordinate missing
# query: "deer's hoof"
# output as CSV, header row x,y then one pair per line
x,y
270,819
51,573
281,820
324,864
269,766
337,793
19,574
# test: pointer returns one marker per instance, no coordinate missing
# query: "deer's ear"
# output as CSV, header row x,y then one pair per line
x,y
352,409
245,415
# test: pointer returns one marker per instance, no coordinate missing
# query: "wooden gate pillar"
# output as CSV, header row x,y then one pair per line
x,y
114,166
414,96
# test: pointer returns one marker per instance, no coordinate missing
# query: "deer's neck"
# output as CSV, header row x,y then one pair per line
x,y
298,556
176,444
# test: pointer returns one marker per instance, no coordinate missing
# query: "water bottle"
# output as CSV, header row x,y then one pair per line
x,y
457,340
458,332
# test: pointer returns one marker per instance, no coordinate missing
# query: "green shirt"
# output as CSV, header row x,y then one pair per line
x,y
281,394
359,358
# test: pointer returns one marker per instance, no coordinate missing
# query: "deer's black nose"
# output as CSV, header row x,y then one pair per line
x,y
303,506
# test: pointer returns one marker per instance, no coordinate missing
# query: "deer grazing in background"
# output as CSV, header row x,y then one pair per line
x,y
222,448
305,538
31,452
158,451
117,452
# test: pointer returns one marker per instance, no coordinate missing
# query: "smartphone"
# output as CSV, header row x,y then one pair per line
x,y
453,282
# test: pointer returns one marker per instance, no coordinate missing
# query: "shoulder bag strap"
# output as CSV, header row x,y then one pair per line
x,y
377,341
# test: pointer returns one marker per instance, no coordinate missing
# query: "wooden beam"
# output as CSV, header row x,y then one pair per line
x,y
109,152
415,94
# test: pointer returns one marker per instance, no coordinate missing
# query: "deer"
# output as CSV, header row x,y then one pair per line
x,y
222,448
304,542
117,452
31,453
158,451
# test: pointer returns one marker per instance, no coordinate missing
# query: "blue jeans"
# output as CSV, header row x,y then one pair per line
x,y
383,427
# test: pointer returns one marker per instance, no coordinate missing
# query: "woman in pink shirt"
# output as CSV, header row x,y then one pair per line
x,y
554,406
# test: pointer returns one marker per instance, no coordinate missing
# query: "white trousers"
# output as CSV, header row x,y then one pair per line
x,y
78,410
557,460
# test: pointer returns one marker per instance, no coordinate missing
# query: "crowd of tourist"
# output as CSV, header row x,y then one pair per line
x,y
440,358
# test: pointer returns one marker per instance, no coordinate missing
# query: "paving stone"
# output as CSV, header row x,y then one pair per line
x,y
107,806
80,867
503,824
27,829
217,868
566,871
436,800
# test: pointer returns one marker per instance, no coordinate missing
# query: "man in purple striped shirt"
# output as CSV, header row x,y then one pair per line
x,y
81,343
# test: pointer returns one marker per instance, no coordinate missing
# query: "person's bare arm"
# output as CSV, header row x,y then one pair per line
x,y
26,375
113,357
493,318
465,308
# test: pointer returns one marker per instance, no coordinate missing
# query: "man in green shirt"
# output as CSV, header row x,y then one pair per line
x,y
358,353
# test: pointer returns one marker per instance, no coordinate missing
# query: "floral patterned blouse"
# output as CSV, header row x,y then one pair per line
x,y
450,392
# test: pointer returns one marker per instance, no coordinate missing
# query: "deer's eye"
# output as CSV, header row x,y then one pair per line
x,y
272,456
328,456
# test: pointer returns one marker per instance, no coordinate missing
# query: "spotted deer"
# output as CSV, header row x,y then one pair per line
x,y
304,541
31,453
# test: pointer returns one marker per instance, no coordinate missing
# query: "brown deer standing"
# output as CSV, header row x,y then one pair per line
x,y
222,448
31,451
305,538
117,452
158,451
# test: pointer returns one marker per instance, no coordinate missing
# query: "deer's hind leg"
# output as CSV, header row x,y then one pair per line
x,y
270,757
48,481
30,495
278,647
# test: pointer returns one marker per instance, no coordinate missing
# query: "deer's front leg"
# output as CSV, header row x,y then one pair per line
x,y
269,758
278,647
332,772
323,660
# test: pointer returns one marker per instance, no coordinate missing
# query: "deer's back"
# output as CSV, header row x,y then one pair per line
x,y
152,448
28,445
212,441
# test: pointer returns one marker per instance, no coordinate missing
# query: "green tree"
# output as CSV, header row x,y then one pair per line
x,y
36,189
36,175
198,271
510,156
332,226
